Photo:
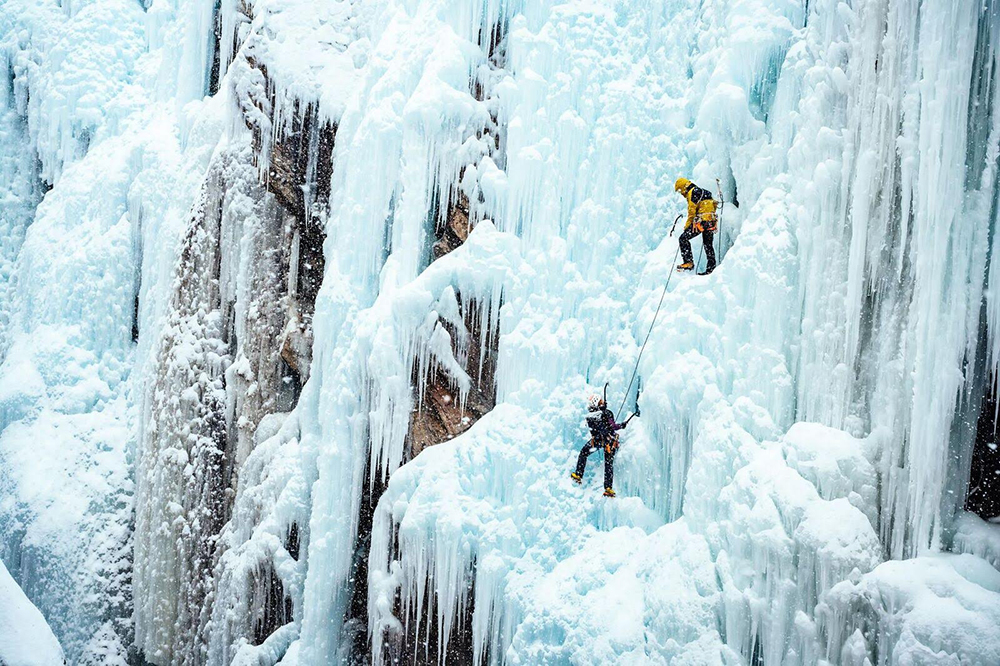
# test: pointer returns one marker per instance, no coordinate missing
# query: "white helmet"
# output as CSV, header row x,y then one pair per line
x,y
595,402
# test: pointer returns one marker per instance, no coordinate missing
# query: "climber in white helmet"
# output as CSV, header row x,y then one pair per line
x,y
604,435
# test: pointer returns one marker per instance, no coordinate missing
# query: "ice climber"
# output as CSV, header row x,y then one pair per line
x,y
603,430
701,219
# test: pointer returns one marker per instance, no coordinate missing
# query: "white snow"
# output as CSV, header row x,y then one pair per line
x,y
25,638
937,609
836,463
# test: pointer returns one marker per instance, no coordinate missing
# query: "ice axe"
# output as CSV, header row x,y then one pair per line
x,y
676,219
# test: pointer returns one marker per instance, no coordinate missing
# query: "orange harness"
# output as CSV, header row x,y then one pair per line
x,y
610,445
709,222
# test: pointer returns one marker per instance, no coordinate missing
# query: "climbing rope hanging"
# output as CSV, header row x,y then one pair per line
x,y
663,293
718,232
651,324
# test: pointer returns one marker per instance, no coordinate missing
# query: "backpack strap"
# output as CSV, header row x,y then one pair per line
x,y
698,195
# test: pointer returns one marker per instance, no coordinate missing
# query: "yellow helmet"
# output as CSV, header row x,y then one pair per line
x,y
681,184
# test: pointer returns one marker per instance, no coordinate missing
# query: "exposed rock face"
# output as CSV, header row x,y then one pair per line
x,y
238,350
441,416
220,373
295,166
179,476
293,159
299,177
455,229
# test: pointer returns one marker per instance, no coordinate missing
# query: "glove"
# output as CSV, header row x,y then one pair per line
x,y
636,410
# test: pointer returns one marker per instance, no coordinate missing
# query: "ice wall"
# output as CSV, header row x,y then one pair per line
x,y
83,282
851,294
977,536
22,191
929,609
66,340
824,128
227,422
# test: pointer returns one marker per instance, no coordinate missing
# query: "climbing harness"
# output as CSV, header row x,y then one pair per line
x,y
651,324
717,230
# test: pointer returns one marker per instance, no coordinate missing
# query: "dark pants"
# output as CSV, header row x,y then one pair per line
x,y
609,460
706,239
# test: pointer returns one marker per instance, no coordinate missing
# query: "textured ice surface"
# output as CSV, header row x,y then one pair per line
x,y
76,106
806,409
978,537
937,609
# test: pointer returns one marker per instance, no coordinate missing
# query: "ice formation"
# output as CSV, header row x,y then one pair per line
x,y
300,302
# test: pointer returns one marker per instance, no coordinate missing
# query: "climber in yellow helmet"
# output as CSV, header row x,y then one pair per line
x,y
701,219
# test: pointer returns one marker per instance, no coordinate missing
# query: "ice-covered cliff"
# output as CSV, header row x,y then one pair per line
x,y
300,303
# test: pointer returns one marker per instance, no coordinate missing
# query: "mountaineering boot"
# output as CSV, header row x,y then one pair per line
x,y
608,492
686,266
576,478
707,271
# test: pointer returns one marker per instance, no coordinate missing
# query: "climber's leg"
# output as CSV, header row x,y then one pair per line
x,y
708,239
685,242
581,462
609,466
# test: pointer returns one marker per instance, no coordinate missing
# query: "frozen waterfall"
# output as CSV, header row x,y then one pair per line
x,y
300,303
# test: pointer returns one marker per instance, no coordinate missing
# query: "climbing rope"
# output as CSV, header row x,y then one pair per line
x,y
663,293
718,231
651,324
